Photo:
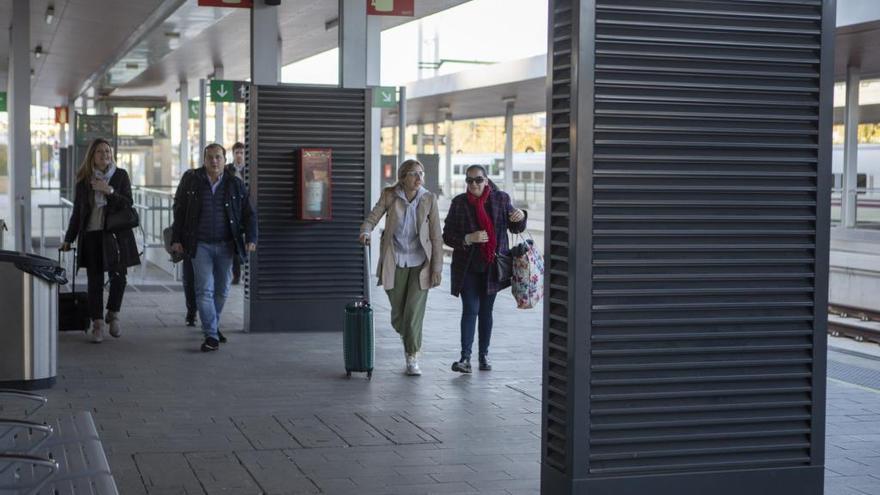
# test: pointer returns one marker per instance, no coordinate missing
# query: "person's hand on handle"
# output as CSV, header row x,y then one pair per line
x,y
516,215
251,247
364,238
65,246
478,237
177,247
436,278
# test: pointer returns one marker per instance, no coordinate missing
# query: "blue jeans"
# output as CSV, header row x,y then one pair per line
x,y
212,267
475,304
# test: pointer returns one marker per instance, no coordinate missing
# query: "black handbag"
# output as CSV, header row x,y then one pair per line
x,y
121,220
503,267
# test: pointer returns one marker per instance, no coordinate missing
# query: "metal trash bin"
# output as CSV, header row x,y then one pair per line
x,y
29,330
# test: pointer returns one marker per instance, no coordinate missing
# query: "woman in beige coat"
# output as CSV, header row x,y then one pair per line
x,y
411,253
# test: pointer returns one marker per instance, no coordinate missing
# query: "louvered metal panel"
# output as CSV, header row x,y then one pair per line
x,y
304,272
686,302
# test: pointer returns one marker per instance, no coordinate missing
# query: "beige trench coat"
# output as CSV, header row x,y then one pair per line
x,y
430,235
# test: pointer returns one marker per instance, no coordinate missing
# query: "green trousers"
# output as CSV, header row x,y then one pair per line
x,y
408,302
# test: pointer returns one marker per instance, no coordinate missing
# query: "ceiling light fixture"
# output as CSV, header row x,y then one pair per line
x,y
332,23
38,51
50,14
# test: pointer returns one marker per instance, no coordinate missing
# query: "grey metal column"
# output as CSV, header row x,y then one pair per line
x,y
687,238
509,186
401,124
18,106
849,198
203,120
265,46
218,114
184,128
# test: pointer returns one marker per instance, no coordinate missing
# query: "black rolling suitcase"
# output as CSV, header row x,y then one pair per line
x,y
73,306
358,341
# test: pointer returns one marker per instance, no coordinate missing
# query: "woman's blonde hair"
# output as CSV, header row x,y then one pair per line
x,y
87,167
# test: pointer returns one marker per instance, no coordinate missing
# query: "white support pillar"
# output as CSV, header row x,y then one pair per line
x,y
420,138
218,114
509,186
849,198
18,106
265,44
359,56
401,124
184,127
203,119
447,184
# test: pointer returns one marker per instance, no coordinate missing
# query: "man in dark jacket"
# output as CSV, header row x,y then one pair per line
x,y
213,222
237,168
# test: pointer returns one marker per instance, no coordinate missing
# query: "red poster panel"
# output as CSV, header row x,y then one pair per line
x,y
61,115
243,4
315,184
391,7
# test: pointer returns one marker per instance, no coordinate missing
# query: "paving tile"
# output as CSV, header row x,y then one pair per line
x,y
221,472
354,430
166,473
310,432
276,473
265,432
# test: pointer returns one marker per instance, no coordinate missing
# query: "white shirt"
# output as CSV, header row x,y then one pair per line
x,y
408,250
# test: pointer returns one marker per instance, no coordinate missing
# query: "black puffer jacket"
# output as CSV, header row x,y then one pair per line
x,y
120,248
188,209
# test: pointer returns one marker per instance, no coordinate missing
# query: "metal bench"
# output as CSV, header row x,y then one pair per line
x,y
64,458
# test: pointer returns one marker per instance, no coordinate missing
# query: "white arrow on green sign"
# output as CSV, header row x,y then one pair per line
x,y
223,90
384,97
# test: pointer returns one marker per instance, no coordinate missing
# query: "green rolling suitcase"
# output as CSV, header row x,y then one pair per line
x,y
358,342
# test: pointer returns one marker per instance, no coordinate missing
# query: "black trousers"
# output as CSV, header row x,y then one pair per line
x,y
189,284
93,257
236,268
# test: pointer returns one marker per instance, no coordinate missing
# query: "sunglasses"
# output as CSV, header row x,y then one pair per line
x,y
475,180
415,173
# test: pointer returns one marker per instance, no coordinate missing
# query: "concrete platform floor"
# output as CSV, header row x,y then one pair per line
x,y
273,413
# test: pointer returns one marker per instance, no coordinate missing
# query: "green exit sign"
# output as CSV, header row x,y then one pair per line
x,y
384,97
2,101
228,91
194,109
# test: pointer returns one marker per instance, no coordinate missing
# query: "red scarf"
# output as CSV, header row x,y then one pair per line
x,y
485,222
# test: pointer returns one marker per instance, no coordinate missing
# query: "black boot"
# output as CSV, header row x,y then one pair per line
x,y
462,366
485,365
191,318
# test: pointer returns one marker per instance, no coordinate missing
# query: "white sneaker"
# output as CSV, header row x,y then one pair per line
x,y
112,321
412,366
97,332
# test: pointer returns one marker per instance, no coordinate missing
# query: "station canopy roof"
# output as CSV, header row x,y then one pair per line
x,y
144,48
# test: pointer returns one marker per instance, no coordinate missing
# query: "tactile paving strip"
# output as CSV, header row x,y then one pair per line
x,y
854,374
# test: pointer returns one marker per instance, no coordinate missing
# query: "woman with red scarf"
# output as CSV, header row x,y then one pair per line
x,y
476,229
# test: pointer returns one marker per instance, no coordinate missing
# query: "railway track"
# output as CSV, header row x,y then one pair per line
x,y
859,324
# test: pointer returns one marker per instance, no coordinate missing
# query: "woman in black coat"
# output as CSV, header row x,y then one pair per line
x,y
102,190
476,229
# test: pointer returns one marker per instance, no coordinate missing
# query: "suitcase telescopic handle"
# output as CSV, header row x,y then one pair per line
x,y
75,268
367,280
